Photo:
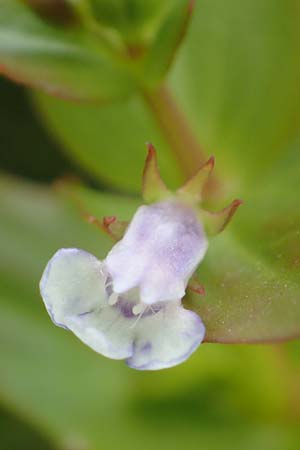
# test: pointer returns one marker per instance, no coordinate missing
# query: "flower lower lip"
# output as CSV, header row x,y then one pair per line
x,y
76,288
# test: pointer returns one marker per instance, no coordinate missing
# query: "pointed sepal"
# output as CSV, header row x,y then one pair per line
x,y
154,189
191,191
195,286
114,227
110,225
215,222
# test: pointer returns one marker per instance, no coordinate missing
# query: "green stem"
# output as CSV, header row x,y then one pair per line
x,y
175,129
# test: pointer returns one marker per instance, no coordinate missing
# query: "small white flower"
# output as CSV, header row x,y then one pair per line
x,y
129,306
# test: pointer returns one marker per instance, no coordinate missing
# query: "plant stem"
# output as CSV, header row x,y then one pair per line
x,y
175,129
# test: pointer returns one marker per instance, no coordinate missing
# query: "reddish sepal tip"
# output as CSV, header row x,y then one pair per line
x,y
108,220
210,162
151,151
236,203
197,288
231,209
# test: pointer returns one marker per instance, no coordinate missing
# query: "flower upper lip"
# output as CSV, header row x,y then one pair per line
x,y
162,247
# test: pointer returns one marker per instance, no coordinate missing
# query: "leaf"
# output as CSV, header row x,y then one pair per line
x,y
67,63
134,19
109,140
243,109
16,434
167,41
58,11
251,273
226,80
33,225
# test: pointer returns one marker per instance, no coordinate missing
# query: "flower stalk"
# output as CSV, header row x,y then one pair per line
x,y
175,129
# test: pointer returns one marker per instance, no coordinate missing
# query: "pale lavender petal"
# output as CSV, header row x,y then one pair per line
x,y
162,247
166,338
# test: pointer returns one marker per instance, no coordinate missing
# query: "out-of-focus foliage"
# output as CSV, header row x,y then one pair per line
x,y
67,63
120,154
236,78
58,11
78,398
16,434
243,108
253,270
86,61
134,19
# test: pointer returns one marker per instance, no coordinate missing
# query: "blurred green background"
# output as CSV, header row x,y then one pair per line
x,y
236,78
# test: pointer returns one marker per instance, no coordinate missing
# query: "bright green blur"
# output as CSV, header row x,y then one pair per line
x,y
237,78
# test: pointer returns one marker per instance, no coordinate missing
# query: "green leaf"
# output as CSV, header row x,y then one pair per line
x,y
109,140
49,376
57,11
167,41
68,62
16,434
252,271
243,107
226,79
134,19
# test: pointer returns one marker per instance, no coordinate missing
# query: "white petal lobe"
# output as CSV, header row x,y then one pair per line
x,y
72,283
166,338
73,289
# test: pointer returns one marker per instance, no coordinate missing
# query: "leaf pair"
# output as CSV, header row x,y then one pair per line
x,y
83,62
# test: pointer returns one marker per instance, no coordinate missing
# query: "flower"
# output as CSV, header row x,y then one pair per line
x,y
129,306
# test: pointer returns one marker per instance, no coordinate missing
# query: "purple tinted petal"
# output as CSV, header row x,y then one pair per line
x,y
166,339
